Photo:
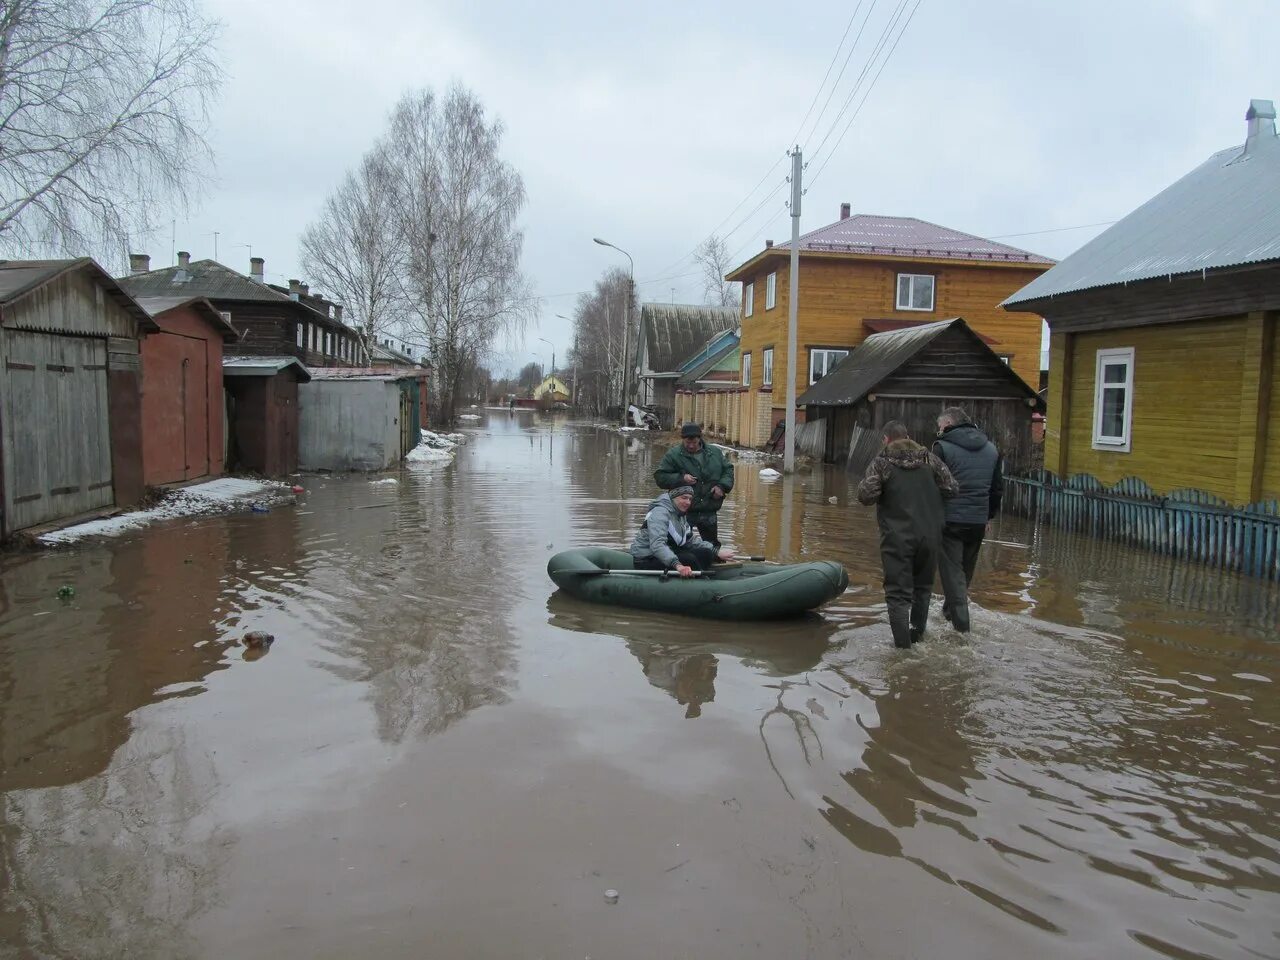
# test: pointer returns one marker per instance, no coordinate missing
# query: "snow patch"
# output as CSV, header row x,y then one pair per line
x,y
224,495
385,480
435,447
768,473
470,416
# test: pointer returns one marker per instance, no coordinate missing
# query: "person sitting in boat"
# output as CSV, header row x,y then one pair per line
x,y
668,541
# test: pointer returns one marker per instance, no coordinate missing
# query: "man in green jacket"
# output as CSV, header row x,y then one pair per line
x,y
693,463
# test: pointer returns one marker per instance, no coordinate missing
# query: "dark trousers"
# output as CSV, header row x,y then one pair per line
x,y
708,527
909,568
960,545
700,558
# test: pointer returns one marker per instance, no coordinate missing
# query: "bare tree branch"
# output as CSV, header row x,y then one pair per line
x,y
713,261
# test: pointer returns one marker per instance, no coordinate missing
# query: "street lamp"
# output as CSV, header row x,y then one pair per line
x,y
626,331
553,354
573,397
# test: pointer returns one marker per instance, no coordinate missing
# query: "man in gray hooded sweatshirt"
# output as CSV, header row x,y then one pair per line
x,y
668,541
976,464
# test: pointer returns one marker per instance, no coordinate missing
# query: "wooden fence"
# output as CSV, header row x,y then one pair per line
x,y
1188,524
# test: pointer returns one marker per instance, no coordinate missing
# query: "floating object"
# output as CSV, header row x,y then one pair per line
x,y
768,473
66,592
298,489
260,508
735,591
833,499
257,639
611,896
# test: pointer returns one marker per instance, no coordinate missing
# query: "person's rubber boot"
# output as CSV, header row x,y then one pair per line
x,y
916,636
960,617
900,624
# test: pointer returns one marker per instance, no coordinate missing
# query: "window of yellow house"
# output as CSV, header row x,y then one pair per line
x,y
915,291
746,369
766,377
822,362
771,291
748,299
1113,400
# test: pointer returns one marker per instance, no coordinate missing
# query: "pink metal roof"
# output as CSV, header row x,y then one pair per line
x,y
908,237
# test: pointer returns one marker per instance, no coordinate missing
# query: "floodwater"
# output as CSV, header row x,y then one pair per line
x,y
439,757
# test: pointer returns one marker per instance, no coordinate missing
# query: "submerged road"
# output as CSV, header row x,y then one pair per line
x,y
441,757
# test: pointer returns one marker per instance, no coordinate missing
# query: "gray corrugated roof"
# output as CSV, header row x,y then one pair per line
x,y
262,366
673,331
879,356
1224,213
203,278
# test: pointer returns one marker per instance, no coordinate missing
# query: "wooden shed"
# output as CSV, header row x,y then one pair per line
x,y
70,411
182,397
262,413
911,374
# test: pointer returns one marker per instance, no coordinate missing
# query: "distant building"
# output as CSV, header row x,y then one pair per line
x,y
669,335
866,274
1163,361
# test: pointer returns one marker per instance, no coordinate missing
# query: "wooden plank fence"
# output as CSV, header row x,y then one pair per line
x,y
1188,524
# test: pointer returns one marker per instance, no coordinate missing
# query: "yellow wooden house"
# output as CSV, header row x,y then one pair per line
x,y
552,388
1162,359
866,274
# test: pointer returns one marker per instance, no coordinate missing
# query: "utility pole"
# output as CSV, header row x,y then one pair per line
x,y
793,296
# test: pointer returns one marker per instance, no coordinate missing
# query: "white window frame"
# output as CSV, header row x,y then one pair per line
x,y
1105,358
748,299
746,369
771,291
300,333
826,363
912,278
766,370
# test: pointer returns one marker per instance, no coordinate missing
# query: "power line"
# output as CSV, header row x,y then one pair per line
x,y
885,62
843,67
857,85
795,137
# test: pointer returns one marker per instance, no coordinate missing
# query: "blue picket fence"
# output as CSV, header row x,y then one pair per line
x,y
1189,524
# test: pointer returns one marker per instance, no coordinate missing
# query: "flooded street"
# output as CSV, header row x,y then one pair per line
x,y
440,757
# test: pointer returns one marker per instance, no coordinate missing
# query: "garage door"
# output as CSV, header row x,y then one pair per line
x,y
57,442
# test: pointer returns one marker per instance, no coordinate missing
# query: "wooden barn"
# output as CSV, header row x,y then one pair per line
x,y
182,396
669,335
910,374
70,411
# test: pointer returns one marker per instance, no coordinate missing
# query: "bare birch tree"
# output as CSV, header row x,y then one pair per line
x,y
599,325
103,108
458,203
712,258
352,250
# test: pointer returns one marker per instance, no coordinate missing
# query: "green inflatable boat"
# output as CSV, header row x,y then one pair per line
x,y
734,591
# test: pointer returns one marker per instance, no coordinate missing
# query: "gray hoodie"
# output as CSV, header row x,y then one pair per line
x,y
664,525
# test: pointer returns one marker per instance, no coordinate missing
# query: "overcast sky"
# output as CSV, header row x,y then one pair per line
x,y
647,124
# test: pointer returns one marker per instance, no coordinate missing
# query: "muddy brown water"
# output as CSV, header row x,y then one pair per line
x,y
441,757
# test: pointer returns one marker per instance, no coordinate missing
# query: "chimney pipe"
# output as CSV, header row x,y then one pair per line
x,y
1262,120
304,289
256,265
768,244
844,211
337,312
184,258
295,288
139,263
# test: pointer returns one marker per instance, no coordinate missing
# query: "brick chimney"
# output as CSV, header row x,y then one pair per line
x,y
139,263
304,289
844,211
337,312
768,244
295,288
184,259
256,268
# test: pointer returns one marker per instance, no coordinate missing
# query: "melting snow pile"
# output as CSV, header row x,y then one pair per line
x,y
469,416
768,473
435,447
226,495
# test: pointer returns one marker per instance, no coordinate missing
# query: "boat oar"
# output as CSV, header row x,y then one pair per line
x,y
633,573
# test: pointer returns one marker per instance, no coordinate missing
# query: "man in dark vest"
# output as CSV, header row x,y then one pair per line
x,y
692,463
976,464
907,483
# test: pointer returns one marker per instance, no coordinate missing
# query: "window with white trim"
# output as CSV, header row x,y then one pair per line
x,y
766,378
748,299
771,291
1113,400
746,369
822,362
300,332
915,291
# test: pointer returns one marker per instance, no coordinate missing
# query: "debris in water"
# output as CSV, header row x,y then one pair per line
x,y
611,896
298,489
66,592
258,638
768,473
260,508
833,499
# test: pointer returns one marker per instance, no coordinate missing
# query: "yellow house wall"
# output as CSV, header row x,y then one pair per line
x,y
836,295
1186,406
1271,469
